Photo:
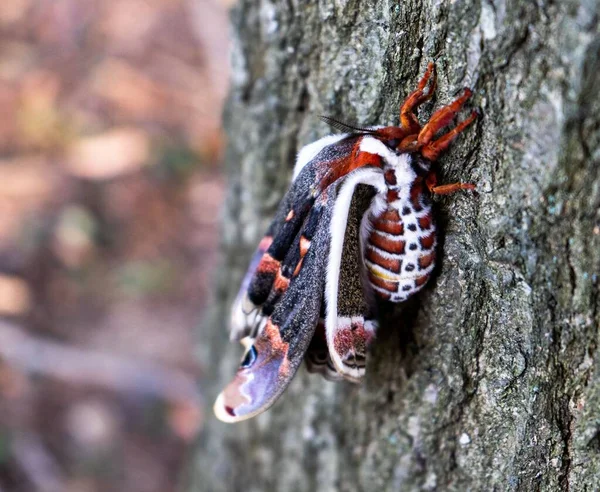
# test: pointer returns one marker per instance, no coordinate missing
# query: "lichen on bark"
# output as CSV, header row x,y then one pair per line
x,y
489,380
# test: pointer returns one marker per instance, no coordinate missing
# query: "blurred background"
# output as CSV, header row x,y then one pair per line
x,y
110,195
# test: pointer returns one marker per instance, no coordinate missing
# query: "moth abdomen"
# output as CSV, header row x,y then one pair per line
x,y
400,249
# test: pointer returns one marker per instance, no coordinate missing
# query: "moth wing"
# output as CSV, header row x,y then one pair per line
x,y
266,263
286,325
285,284
244,312
317,356
315,162
350,321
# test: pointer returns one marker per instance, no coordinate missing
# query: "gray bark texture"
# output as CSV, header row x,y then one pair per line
x,y
490,379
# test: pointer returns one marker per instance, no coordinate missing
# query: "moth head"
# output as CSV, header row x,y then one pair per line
x,y
392,137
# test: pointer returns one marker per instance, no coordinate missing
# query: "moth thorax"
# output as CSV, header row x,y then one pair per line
x,y
402,170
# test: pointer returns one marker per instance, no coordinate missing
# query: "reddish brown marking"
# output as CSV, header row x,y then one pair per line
x,y
360,336
425,222
281,283
304,245
395,228
427,241
271,352
342,341
390,177
298,267
392,196
367,159
390,214
265,242
268,264
385,263
426,260
350,340
290,215
415,193
383,284
340,167
271,333
272,346
389,245
422,280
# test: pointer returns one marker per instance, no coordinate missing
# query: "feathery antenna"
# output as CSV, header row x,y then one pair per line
x,y
340,125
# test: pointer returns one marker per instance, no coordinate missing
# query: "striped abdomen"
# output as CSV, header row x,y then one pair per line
x,y
400,250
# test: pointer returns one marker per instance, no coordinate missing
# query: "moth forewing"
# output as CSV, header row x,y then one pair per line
x,y
289,314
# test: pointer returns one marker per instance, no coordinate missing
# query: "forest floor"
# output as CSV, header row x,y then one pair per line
x,y
110,195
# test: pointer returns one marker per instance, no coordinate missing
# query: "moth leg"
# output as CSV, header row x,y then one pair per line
x,y
409,144
434,148
443,117
447,189
408,119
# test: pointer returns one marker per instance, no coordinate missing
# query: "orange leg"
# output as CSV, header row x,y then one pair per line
x,y
409,144
442,118
433,149
447,189
431,183
408,119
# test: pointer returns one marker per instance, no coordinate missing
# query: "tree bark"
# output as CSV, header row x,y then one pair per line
x,y
489,380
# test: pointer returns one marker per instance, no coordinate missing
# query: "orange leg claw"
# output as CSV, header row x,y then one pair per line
x,y
447,189
433,149
408,119
413,137
442,118
452,188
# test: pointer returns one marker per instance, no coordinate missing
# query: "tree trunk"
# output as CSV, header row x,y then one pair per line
x,y
489,380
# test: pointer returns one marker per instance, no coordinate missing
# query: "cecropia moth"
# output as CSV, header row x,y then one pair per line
x,y
355,225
